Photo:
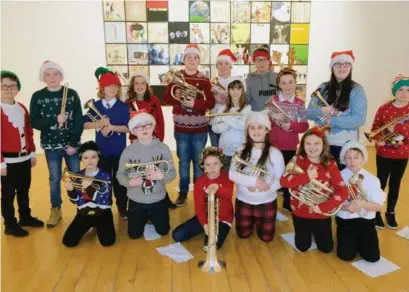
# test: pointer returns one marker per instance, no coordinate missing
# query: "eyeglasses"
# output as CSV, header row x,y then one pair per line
x,y
8,87
143,127
342,65
258,61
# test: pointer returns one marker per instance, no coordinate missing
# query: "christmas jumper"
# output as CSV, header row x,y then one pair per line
x,y
45,106
191,120
224,194
330,176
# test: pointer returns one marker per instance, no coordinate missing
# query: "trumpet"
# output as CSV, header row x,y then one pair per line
x,y
142,168
387,136
274,108
212,264
186,90
90,104
96,183
239,165
357,192
64,100
215,81
318,95
313,193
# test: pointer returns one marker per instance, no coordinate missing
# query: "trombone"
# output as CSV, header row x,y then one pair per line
x,y
90,104
142,168
96,183
387,136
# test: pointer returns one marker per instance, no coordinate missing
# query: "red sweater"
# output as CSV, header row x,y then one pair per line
x,y
224,193
191,120
288,140
385,114
154,108
11,136
329,175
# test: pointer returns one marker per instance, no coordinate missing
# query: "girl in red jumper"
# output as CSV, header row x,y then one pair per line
x,y
284,132
141,95
315,160
211,160
392,155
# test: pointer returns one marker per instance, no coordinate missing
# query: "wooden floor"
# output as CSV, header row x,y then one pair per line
x,y
41,263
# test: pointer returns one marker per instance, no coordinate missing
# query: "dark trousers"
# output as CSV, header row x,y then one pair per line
x,y
104,225
192,228
394,169
138,215
110,165
262,215
357,236
287,154
214,138
16,182
304,230
335,152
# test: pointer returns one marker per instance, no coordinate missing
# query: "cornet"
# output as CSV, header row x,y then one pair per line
x,y
387,136
357,192
90,104
186,90
274,108
142,168
318,95
238,165
313,193
96,183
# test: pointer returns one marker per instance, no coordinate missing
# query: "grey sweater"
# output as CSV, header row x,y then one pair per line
x,y
150,191
260,87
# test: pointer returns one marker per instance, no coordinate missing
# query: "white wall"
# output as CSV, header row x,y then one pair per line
x,y
71,33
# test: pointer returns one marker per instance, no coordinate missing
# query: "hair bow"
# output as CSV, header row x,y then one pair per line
x,y
321,131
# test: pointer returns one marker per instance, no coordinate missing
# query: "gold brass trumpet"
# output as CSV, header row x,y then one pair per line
x,y
313,193
386,136
186,90
142,168
215,81
239,164
357,193
274,108
96,183
318,95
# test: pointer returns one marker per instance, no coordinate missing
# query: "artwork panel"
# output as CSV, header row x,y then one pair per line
x,y
301,54
260,33
301,73
179,33
280,33
135,10
122,73
279,54
158,32
137,32
138,54
240,11
301,91
220,33
176,54
240,33
157,74
179,10
199,33
300,33
199,11
137,68
115,32
158,54
260,11
281,12
204,54
116,54
205,69
220,11
157,10
300,12
114,10
240,70
241,51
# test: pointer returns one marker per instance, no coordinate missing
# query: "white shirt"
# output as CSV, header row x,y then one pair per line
x,y
372,187
111,103
274,166
282,99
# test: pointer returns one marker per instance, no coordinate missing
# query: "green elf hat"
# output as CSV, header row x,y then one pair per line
x,y
398,82
106,77
5,74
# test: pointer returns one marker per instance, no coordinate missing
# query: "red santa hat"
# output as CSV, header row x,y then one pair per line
x,y
106,77
139,118
226,55
192,49
50,65
342,57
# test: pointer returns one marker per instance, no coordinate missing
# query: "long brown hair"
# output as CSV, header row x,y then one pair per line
x,y
243,97
132,93
248,146
325,155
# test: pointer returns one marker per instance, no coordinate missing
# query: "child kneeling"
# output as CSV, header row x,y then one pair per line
x,y
153,169
356,232
93,200
211,161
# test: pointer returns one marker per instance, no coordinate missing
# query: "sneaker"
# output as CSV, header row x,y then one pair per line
x,y
378,221
181,199
16,231
123,215
169,202
31,222
55,217
390,218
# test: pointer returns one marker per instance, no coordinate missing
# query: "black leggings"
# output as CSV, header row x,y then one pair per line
x,y
335,152
287,154
394,169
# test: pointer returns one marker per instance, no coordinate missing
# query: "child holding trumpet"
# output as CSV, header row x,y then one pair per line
x,y
90,189
56,112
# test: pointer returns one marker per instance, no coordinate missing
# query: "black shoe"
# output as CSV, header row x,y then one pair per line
x,y
378,221
123,215
169,202
16,231
31,222
181,199
390,218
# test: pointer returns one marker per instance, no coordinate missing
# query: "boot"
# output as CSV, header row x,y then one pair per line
x,y
181,199
169,202
31,222
15,231
55,217
390,218
378,221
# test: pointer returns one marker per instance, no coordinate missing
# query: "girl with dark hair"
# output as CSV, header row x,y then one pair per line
x,y
256,202
347,104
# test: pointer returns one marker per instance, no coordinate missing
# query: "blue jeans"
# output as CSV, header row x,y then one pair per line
x,y
214,138
188,148
54,163
192,228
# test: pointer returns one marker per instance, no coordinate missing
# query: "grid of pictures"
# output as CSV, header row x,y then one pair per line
x,y
151,35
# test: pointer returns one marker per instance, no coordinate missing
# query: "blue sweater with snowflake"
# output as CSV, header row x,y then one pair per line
x,y
91,197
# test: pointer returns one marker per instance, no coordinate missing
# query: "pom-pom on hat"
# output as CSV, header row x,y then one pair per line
x,y
50,65
192,49
139,118
212,151
88,146
260,118
353,144
342,57
106,77
5,74
231,79
143,75
226,55
398,82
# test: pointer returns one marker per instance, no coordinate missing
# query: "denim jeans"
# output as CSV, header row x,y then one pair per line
x,y
188,148
214,138
54,163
